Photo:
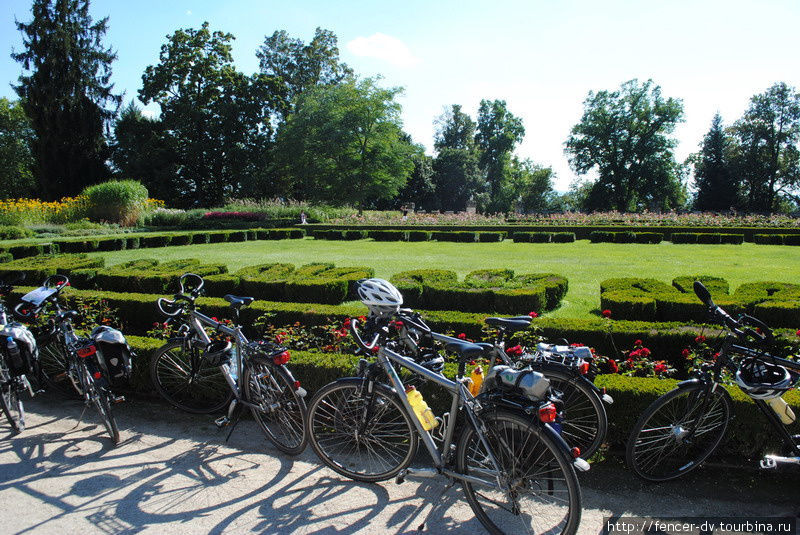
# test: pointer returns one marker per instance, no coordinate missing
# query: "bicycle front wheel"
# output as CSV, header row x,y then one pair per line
x,y
183,376
279,410
585,423
676,433
103,406
536,489
10,400
364,436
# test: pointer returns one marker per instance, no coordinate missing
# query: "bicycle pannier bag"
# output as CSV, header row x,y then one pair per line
x,y
19,348
113,353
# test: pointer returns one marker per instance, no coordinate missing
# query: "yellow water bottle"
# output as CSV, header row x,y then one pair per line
x,y
477,380
421,409
782,409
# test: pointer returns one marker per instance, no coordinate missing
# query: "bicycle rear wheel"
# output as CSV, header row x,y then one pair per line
x,y
282,413
10,400
675,434
363,436
103,406
585,424
184,377
53,363
540,491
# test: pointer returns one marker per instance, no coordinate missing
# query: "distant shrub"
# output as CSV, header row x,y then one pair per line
x,y
116,201
12,232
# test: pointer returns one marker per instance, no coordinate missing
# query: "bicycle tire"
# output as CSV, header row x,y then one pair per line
x,y
107,415
200,391
10,400
284,423
659,448
518,445
336,412
53,365
585,424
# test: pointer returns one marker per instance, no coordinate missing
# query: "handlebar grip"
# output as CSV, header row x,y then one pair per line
x,y
359,341
172,308
24,313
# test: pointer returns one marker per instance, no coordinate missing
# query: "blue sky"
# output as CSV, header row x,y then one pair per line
x,y
541,56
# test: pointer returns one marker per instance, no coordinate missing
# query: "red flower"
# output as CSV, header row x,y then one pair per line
x,y
156,324
606,313
279,338
462,336
700,339
686,353
637,343
644,352
514,351
213,318
576,344
536,315
612,366
798,332
362,319
660,367
635,353
346,323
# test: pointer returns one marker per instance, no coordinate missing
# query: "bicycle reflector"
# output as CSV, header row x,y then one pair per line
x,y
87,351
548,413
282,358
584,368
575,452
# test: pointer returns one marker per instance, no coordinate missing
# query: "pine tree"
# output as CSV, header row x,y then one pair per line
x,y
66,92
717,188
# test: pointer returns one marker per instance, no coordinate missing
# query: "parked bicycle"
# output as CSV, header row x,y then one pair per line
x,y
517,472
18,359
680,429
91,365
200,375
583,422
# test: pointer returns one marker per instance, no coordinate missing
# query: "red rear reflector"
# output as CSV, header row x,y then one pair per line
x,y
584,368
576,452
98,375
296,385
547,414
282,359
87,351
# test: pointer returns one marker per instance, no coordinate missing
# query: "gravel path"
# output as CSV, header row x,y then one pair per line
x,y
174,473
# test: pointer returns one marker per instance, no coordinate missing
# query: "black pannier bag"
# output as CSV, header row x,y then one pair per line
x,y
18,347
113,353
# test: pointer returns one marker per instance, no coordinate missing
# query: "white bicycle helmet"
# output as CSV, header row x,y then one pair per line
x,y
380,296
762,380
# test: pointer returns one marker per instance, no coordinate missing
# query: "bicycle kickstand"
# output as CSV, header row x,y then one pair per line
x,y
231,419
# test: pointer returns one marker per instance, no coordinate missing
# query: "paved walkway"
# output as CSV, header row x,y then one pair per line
x,y
174,473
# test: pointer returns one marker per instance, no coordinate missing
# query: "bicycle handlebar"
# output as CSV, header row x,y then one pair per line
x,y
741,327
173,308
359,341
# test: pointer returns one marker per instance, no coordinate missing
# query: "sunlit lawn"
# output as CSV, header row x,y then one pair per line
x,y
584,264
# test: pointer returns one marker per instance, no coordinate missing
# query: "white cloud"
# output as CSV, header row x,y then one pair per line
x,y
188,11
383,47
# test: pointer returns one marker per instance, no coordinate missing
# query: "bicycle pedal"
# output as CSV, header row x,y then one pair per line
x,y
222,421
400,477
768,463
117,399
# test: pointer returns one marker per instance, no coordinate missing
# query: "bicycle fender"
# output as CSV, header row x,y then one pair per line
x,y
302,392
688,382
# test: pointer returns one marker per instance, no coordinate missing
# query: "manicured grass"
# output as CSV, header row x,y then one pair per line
x,y
584,264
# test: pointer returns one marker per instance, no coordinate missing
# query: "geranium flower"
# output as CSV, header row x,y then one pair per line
x,y
514,351
644,352
686,353
660,367
700,339
536,315
638,343
461,336
612,366
606,313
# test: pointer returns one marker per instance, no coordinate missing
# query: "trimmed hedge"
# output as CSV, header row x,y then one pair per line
x,y
456,236
649,237
6,257
778,304
419,235
489,237
387,235
707,238
38,268
485,290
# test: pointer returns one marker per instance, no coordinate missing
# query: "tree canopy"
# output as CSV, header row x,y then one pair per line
x,y
16,138
66,93
717,187
625,136
498,132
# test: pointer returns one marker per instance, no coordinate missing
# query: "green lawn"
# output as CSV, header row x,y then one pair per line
x,y
584,264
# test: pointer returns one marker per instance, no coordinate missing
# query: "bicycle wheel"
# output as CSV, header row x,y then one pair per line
x,y
10,400
540,491
103,407
585,423
53,363
662,445
185,378
366,437
281,412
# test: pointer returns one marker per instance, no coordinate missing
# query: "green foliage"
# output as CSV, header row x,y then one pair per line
x,y
69,102
38,268
16,140
456,174
5,257
419,235
388,235
768,239
344,144
649,237
684,237
626,136
11,232
624,237
457,236
563,237
488,237
497,133
116,201
716,184
600,236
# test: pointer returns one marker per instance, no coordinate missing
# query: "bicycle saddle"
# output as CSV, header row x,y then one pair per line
x,y
519,323
467,350
238,302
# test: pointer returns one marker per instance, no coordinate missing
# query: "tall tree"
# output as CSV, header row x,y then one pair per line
x,y
625,135
344,144
717,187
16,137
216,118
419,188
297,66
529,187
766,153
66,92
456,176
498,131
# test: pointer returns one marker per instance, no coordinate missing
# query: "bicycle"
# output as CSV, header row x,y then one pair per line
x,y
583,422
18,355
199,375
89,364
683,427
515,470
